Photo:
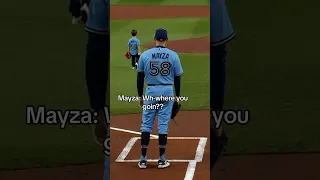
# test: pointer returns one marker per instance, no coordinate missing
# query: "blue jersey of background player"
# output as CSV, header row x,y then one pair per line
x,y
133,44
160,67
97,69
134,48
221,32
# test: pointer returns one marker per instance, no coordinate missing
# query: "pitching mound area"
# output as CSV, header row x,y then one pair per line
x,y
190,46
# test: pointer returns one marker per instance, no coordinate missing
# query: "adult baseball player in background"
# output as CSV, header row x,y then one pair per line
x,y
160,67
97,70
221,32
134,49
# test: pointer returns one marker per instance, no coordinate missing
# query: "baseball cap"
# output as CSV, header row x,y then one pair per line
x,y
161,34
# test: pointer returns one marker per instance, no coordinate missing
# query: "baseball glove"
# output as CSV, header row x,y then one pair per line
x,y
127,55
175,109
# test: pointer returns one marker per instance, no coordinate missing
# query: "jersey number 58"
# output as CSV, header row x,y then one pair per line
x,y
163,70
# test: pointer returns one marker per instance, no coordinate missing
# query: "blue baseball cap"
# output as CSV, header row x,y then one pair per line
x,y
161,34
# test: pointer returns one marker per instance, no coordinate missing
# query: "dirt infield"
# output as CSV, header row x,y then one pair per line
x,y
295,166
177,149
190,46
74,172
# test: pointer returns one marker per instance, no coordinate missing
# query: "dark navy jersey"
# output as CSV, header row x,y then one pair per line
x,y
99,17
221,30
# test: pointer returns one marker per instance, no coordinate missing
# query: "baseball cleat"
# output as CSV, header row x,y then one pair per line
x,y
133,68
142,164
163,164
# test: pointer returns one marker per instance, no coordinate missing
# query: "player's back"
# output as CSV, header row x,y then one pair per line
x,y
133,43
160,66
99,17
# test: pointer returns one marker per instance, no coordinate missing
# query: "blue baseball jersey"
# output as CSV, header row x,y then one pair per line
x,y
221,30
99,17
160,65
133,44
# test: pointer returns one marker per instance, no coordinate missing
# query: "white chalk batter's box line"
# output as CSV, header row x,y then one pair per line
x,y
192,163
198,156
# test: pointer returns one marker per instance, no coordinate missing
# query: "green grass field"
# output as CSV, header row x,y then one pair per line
x,y
273,69
195,80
